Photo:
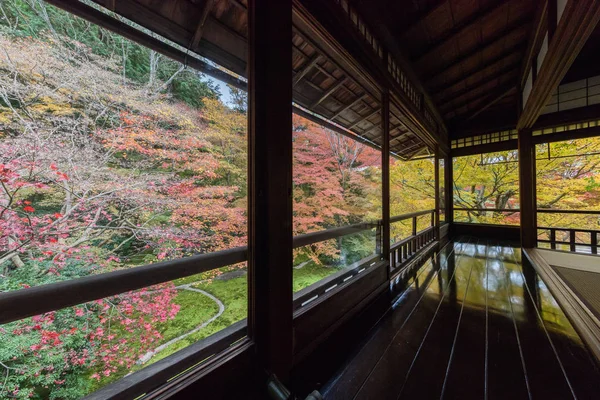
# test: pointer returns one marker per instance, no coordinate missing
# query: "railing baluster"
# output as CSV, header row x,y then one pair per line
x,y
594,237
553,239
414,226
572,239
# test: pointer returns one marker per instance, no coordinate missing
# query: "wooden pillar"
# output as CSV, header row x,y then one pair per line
x,y
437,192
385,174
527,198
270,184
448,189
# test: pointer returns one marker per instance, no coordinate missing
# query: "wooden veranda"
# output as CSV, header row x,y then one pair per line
x,y
426,78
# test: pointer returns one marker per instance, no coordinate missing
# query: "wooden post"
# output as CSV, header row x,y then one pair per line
x,y
270,184
385,174
527,198
436,223
448,190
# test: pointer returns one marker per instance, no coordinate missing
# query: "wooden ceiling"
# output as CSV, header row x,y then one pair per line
x,y
329,86
467,53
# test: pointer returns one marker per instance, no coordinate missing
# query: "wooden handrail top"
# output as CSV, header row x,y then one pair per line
x,y
402,217
489,209
568,229
553,211
54,296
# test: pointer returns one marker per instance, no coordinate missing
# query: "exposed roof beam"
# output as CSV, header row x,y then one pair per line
x,y
509,69
478,98
493,98
97,17
461,27
330,91
538,31
232,47
306,68
377,110
200,29
503,55
414,153
493,41
578,21
422,14
239,5
390,42
349,106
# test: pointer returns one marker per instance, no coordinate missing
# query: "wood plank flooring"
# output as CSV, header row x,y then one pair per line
x,y
473,323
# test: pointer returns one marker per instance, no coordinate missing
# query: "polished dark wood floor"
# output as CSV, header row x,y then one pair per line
x,y
472,323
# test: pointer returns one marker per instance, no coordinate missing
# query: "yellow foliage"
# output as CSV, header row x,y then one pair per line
x,y
48,105
5,117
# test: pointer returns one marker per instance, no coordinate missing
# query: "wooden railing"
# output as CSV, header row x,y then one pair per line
x,y
405,250
572,242
45,298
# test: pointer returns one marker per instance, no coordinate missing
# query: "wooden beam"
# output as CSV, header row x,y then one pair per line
x,y
493,98
200,29
527,193
538,30
437,192
574,134
551,18
99,18
577,23
473,99
572,116
306,68
270,189
499,75
385,176
496,40
239,5
376,111
330,91
349,106
422,15
498,59
486,148
327,13
448,189
462,27
219,44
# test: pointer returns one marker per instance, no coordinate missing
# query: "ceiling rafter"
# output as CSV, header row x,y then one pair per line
x,y
365,118
498,38
422,15
461,27
306,68
330,91
469,100
200,29
493,98
349,106
508,70
503,55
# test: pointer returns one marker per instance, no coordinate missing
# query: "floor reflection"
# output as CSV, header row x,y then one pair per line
x,y
475,323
